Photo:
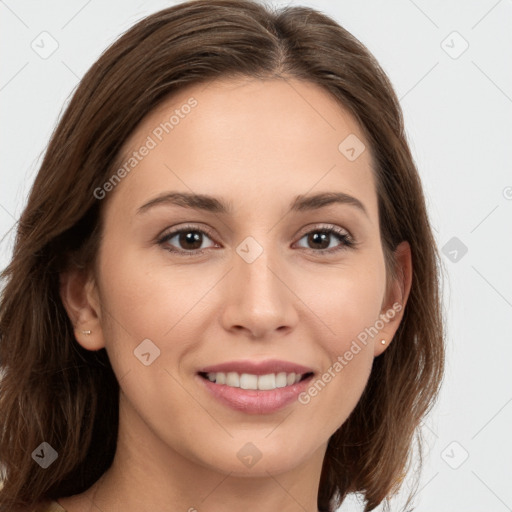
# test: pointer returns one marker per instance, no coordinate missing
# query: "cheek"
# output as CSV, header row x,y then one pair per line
x,y
147,298
144,300
346,300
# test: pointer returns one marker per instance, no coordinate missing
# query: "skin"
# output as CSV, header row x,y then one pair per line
x,y
256,144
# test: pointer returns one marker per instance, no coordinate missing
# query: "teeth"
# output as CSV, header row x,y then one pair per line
x,y
233,380
250,381
281,380
267,381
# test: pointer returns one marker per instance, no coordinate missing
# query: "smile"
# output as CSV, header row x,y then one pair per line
x,y
251,381
255,394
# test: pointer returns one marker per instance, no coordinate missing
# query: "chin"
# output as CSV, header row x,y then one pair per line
x,y
257,458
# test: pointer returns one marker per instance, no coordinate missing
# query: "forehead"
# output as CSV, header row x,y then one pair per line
x,y
248,135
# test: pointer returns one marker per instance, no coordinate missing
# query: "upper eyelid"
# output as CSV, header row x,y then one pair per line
x,y
208,231
324,226
175,231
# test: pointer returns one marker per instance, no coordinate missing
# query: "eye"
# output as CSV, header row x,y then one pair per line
x,y
189,240
328,240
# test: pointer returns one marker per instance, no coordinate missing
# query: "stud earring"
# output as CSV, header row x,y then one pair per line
x,y
86,332
383,342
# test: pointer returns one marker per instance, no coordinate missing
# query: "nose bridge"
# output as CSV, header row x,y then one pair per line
x,y
258,300
258,278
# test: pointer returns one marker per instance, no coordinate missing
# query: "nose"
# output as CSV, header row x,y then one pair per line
x,y
258,300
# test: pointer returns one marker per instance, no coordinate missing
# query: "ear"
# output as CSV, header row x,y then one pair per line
x,y
80,298
394,302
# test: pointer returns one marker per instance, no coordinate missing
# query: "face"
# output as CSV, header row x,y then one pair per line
x,y
258,271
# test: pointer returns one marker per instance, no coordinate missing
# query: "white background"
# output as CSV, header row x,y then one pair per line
x,y
458,115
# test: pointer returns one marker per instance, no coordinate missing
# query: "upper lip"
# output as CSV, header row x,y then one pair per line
x,y
257,367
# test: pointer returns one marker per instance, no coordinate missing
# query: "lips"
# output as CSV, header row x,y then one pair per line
x,y
250,401
255,401
257,367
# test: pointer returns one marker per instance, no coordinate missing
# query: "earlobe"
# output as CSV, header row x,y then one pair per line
x,y
396,298
79,297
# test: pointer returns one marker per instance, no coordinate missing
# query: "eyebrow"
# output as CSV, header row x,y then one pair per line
x,y
214,205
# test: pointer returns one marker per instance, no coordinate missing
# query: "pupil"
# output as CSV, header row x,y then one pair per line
x,y
321,238
192,238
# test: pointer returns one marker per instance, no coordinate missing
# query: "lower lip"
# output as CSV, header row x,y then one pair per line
x,y
252,401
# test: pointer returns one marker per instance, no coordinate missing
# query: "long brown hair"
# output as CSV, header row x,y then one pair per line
x,y
55,391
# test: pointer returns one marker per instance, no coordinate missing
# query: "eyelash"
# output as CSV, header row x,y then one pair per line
x,y
345,238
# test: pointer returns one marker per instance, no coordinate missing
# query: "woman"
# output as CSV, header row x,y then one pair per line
x,y
224,290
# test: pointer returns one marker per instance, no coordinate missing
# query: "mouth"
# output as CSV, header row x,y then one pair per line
x,y
255,394
248,381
